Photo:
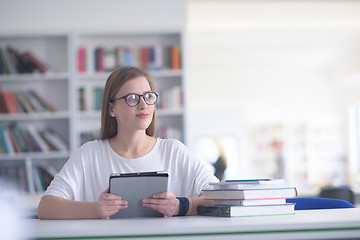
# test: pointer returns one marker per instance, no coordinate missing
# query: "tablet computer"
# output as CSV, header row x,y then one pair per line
x,y
134,187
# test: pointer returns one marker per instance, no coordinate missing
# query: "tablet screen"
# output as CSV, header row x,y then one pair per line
x,y
134,187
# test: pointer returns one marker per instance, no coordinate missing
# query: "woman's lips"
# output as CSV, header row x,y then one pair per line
x,y
142,115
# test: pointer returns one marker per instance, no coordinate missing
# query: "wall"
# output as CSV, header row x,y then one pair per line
x,y
90,15
288,63
272,59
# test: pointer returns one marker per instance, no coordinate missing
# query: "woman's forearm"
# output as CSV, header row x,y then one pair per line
x,y
53,207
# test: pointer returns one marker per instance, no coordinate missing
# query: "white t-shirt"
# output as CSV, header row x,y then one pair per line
x,y
86,174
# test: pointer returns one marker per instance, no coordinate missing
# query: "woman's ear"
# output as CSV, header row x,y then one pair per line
x,y
111,110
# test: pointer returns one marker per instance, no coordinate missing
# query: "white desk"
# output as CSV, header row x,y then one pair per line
x,y
310,224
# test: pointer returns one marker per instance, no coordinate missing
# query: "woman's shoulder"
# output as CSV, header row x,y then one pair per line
x,y
171,144
93,145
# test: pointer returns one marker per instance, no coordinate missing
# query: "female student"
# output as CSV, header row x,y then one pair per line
x,y
80,190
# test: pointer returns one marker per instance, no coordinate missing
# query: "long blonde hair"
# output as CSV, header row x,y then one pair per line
x,y
114,82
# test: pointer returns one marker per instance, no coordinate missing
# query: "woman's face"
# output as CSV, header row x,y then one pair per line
x,y
133,118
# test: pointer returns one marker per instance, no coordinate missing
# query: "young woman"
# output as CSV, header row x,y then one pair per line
x,y
80,190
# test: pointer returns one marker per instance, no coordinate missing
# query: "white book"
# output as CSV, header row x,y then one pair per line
x,y
8,142
250,184
246,211
250,202
247,194
159,57
36,136
55,140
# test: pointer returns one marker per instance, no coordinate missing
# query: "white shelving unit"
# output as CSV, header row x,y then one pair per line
x,y
60,87
56,87
170,120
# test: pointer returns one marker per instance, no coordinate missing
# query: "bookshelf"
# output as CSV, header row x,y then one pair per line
x,y
158,52
70,60
20,162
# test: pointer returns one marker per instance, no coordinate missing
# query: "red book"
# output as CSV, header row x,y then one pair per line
x,y
175,57
100,60
144,57
10,102
13,142
81,59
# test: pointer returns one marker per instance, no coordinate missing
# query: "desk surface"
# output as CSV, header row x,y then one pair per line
x,y
309,224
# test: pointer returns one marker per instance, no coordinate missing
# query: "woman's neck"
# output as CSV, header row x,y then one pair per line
x,y
132,145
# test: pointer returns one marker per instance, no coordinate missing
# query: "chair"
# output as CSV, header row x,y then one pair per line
x,y
309,203
343,193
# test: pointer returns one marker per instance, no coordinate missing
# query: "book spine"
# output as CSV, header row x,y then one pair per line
x,y
39,141
19,138
81,59
98,94
175,58
9,68
10,102
45,104
36,62
38,107
55,140
3,144
3,108
10,147
24,102
109,60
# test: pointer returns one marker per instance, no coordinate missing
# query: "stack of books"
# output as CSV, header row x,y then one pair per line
x,y
255,197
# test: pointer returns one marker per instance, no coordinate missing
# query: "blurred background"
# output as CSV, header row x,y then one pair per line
x,y
271,88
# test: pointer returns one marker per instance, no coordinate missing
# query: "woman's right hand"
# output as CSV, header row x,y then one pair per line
x,y
109,204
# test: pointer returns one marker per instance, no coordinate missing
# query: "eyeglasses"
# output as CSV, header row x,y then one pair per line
x,y
133,99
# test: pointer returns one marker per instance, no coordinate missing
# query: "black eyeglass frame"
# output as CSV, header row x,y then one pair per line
x,y
139,95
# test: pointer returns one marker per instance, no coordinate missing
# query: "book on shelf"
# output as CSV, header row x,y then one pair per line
x,y
43,174
10,102
169,132
19,138
13,141
247,194
246,211
175,58
16,178
3,144
171,98
81,59
89,136
98,95
39,65
55,139
15,138
8,142
109,60
2,102
12,61
155,57
8,67
38,140
24,102
28,101
82,99
45,105
99,59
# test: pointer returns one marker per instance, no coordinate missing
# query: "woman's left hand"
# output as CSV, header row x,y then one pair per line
x,y
165,203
